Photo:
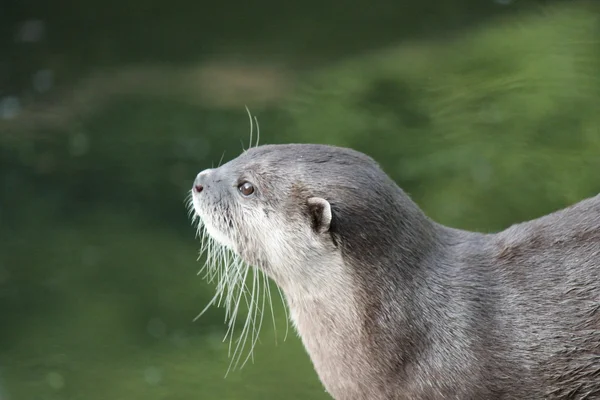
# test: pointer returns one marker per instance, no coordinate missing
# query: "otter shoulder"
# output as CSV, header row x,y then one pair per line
x,y
573,232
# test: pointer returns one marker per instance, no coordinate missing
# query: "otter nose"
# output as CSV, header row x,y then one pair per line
x,y
200,180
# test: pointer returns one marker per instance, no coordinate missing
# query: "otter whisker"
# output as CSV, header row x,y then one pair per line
x,y
287,320
267,293
235,315
190,209
204,239
229,293
233,279
254,315
210,303
209,265
246,329
241,341
230,331
240,284
251,127
231,315
189,204
221,159
257,131
257,275
222,273
242,291
235,285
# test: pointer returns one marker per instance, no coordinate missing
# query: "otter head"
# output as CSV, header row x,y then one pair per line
x,y
271,206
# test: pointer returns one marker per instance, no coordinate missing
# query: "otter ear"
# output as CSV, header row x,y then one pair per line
x,y
320,213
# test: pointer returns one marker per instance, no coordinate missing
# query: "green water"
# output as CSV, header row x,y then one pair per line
x,y
486,113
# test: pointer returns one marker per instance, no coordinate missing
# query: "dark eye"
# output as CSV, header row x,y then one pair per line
x,y
246,188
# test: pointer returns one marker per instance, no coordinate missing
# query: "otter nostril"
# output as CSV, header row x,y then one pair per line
x,y
199,182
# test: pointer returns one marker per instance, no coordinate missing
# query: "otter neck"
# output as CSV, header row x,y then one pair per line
x,y
327,316
343,315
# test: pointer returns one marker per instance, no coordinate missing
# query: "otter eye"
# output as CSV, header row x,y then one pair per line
x,y
246,188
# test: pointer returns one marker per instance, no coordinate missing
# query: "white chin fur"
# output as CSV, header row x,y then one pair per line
x,y
217,235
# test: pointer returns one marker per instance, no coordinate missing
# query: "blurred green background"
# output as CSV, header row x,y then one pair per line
x,y
485,112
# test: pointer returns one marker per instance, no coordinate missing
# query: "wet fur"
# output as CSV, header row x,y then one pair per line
x,y
391,305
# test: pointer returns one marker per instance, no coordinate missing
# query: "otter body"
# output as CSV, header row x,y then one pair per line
x,y
392,305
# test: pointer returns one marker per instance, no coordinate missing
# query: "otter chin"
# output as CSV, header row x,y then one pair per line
x,y
390,304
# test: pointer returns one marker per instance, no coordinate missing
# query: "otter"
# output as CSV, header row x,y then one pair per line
x,y
390,304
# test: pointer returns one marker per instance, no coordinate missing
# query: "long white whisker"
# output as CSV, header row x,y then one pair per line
x,y
257,275
243,329
250,319
221,160
210,303
267,288
251,127
257,131
287,320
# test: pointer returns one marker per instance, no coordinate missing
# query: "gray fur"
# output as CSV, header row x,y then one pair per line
x,y
392,305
